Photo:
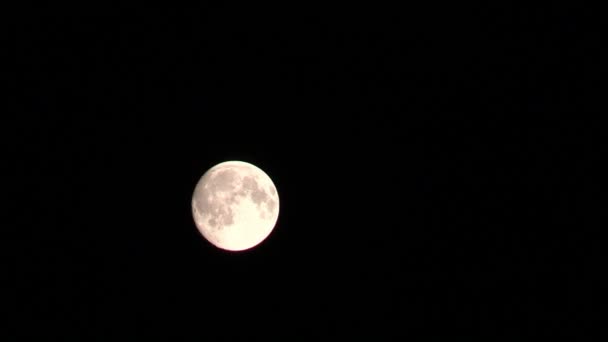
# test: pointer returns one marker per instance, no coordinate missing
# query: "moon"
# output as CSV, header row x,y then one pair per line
x,y
235,205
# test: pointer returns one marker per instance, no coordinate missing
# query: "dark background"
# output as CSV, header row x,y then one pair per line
x,y
433,165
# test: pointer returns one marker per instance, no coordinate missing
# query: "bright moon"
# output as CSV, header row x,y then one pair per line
x,y
235,205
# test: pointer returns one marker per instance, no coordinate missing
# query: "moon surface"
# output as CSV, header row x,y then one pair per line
x,y
235,205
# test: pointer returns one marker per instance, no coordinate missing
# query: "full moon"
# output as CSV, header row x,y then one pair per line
x,y
235,205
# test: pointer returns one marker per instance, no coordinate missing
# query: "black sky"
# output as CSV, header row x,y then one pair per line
x,y
433,166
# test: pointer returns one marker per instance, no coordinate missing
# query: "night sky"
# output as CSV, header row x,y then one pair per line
x,y
433,165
